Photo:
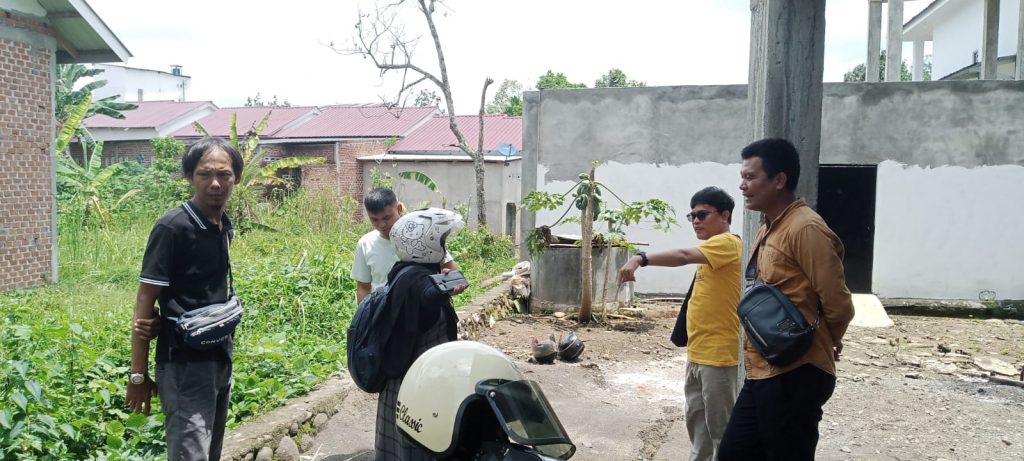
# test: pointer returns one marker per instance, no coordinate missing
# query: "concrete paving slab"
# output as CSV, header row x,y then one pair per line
x,y
611,410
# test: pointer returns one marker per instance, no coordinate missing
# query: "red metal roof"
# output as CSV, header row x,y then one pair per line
x,y
150,114
436,136
219,123
360,120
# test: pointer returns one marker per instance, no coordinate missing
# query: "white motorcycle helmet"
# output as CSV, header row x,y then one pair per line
x,y
461,397
421,236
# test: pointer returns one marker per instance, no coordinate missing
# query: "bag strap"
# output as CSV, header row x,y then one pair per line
x,y
751,273
227,254
686,301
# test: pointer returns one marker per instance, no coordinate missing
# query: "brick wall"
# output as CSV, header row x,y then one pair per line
x,y
120,151
311,150
319,178
352,169
26,179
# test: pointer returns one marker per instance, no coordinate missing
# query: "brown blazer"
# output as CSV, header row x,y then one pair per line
x,y
803,258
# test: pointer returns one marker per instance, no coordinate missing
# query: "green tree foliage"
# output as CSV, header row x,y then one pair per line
x,y
551,80
508,99
257,101
67,97
257,175
616,78
427,98
859,71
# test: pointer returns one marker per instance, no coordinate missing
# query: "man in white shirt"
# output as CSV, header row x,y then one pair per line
x,y
375,255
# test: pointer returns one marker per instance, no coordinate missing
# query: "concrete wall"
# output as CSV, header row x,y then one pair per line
x,y
28,253
669,142
455,179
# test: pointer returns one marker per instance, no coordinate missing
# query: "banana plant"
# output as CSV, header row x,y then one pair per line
x,y
86,182
256,176
427,182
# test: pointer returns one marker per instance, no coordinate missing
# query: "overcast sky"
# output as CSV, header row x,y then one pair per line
x,y
234,49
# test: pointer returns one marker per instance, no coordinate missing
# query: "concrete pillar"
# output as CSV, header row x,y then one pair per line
x,y
1019,71
784,92
990,41
871,68
918,60
894,50
787,58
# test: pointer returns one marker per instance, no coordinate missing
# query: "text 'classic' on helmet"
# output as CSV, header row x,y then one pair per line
x,y
462,395
421,236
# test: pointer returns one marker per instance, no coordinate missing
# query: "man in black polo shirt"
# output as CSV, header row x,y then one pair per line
x,y
187,260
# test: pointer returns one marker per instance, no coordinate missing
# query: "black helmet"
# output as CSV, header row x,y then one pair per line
x,y
570,347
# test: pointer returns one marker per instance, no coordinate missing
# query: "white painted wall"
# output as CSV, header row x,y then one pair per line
x,y
455,178
957,33
948,232
125,82
642,181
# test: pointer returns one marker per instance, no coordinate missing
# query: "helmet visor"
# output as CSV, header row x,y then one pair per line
x,y
527,417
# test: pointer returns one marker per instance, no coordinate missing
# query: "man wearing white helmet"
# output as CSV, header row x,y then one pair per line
x,y
375,255
426,317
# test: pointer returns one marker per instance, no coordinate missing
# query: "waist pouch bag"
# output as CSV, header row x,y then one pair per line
x,y
208,326
774,325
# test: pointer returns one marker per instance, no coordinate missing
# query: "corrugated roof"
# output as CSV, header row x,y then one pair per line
x,y
360,120
219,123
436,136
150,114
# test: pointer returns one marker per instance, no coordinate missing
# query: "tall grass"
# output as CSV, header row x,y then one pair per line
x,y
64,349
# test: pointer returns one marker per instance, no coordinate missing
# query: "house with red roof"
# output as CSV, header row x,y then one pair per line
x,y
129,138
432,149
339,133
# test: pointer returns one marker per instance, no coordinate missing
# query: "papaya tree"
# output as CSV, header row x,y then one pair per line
x,y
257,176
586,196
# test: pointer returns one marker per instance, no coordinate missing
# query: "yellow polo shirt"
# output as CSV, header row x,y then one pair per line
x,y
712,324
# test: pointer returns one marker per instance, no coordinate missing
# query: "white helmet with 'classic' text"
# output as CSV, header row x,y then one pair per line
x,y
462,395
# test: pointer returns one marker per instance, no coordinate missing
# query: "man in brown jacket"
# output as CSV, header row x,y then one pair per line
x,y
777,413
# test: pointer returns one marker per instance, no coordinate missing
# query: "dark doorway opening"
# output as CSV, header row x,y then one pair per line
x,y
510,219
846,200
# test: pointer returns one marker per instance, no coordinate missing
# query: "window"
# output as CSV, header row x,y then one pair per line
x,y
974,57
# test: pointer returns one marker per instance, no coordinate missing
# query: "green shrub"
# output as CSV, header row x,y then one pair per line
x,y
64,349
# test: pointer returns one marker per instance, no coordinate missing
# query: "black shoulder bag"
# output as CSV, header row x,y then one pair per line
x,y
679,336
776,328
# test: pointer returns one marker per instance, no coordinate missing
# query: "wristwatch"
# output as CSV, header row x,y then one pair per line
x,y
137,378
643,258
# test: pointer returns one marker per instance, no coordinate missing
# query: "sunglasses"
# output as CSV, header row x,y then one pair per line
x,y
698,216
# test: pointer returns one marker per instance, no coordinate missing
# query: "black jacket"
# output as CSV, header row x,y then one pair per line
x,y
420,303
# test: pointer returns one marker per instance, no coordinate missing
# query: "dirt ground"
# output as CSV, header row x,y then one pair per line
x,y
918,390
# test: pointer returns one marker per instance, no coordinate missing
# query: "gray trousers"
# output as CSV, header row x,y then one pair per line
x,y
194,397
710,394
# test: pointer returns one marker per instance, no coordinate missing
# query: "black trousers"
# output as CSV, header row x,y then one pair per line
x,y
777,418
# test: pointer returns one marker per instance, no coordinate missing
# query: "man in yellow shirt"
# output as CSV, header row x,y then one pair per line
x,y
712,325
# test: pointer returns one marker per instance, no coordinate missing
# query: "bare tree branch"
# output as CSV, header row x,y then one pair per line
x,y
381,39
